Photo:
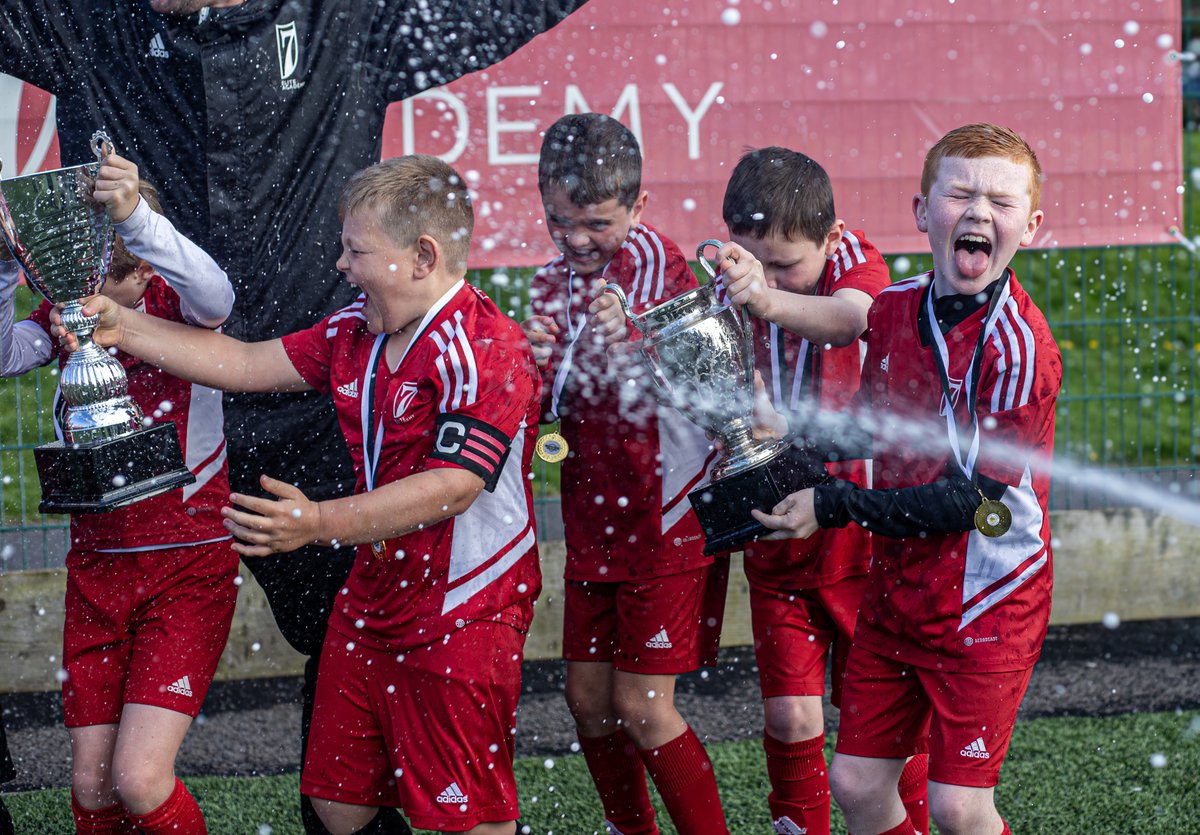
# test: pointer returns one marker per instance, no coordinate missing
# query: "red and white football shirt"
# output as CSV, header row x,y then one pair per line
x,y
465,394
632,458
191,514
793,368
962,601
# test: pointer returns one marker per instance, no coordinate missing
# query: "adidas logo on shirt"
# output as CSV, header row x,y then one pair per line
x,y
660,641
976,750
349,389
452,794
158,48
183,687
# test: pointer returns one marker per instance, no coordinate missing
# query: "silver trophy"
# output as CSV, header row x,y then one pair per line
x,y
700,352
63,240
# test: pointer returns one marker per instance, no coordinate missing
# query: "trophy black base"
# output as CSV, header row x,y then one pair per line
x,y
723,507
105,475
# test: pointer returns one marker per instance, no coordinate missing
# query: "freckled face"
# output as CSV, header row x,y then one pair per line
x,y
374,264
589,236
977,214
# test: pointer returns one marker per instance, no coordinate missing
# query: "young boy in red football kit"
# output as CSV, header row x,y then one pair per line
x,y
960,383
808,283
636,576
150,586
437,394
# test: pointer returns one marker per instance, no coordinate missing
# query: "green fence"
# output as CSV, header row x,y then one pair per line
x,y
1125,318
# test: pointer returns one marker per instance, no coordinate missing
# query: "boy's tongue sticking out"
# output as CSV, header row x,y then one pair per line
x,y
971,255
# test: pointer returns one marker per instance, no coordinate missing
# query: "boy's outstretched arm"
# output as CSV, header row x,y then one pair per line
x,y
194,354
290,520
835,320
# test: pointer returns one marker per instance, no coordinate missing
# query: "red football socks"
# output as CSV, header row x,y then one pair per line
x,y
683,775
799,783
178,815
914,791
620,780
905,828
111,820
1006,830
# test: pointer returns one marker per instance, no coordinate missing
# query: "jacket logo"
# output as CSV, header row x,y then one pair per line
x,y
403,398
287,42
158,48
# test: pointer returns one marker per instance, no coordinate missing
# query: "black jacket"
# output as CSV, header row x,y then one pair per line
x,y
250,119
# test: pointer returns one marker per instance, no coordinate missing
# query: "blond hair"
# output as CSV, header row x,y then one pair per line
x,y
412,196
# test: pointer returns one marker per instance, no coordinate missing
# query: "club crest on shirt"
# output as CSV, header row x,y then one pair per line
x,y
404,398
955,391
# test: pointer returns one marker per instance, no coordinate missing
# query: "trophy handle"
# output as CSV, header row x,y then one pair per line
x,y
616,290
660,382
102,145
743,316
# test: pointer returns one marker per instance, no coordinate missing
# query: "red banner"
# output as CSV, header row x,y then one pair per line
x,y
863,86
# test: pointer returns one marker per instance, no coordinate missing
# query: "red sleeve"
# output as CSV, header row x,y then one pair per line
x,y
858,265
1017,401
311,351
498,392
650,269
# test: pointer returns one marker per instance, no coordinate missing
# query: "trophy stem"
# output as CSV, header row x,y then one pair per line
x,y
94,386
742,451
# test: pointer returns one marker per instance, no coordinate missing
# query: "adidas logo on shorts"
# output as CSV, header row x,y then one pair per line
x,y
183,687
660,641
452,794
349,389
976,750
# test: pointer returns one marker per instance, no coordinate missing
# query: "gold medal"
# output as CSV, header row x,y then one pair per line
x,y
552,448
993,518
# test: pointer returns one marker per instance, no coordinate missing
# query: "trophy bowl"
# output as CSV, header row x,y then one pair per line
x,y
700,352
63,240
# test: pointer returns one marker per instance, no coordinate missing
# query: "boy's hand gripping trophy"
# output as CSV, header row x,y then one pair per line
x,y
63,240
701,355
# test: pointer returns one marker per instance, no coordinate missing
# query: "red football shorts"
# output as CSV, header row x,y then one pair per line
x,y
794,632
145,627
662,626
429,730
964,720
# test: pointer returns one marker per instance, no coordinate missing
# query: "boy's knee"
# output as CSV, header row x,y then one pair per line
x,y
143,790
855,783
793,718
958,810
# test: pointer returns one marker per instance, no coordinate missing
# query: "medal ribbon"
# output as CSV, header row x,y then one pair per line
x,y
574,331
779,370
971,384
372,430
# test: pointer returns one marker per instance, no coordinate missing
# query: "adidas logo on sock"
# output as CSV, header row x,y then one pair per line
x,y
976,750
349,389
452,794
158,49
183,687
660,641
787,826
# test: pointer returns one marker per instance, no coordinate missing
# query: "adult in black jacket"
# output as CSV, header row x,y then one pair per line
x,y
250,116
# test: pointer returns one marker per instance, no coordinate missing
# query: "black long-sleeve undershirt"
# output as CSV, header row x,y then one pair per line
x,y
942,506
